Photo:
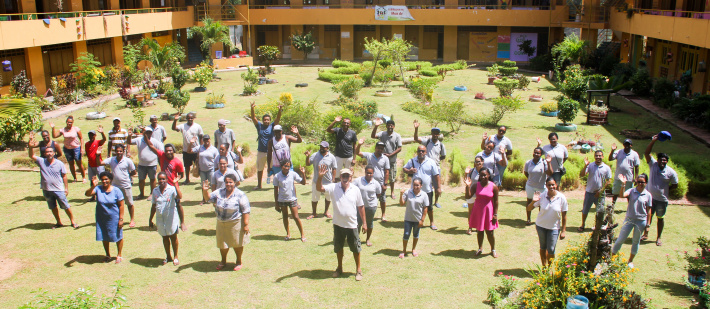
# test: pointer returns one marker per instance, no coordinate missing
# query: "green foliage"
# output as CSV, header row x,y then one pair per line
x,y
412,65
357,123
343,63
423,88
15,126
503,105
179,77
508,68
505,86
393,51
428,72
568,109
362,109
542,63
303,42
89,71
204,74
571,49
348,88
251,82
457,165
493,70
298,159
414,107
267,55
163,58
523,81
452,113
575,83
210,33
642,83
601,82
178,99
385,76
306,116
663,93
80,299
497,293
215,98
64,89
549,107
329,76
138,115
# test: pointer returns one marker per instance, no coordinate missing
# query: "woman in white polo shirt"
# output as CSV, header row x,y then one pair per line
x,y
551,220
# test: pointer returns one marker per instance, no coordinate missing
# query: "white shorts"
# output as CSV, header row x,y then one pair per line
x,y
315,194
343,163
260,161
531,191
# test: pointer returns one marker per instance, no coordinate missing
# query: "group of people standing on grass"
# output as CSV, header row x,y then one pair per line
x,y
355,200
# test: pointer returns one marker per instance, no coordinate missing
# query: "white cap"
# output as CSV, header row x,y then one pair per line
x,y
278,128
114,119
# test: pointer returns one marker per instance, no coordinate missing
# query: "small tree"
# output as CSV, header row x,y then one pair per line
x,y
395,51
506,86
88,70
568,109
503,105
163,58
268,54
178,99
179,77
211,32
20,86
251,82
303,43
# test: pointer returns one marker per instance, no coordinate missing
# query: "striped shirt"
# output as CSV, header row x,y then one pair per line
x,y
117,137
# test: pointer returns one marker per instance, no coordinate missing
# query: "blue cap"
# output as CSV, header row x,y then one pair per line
x,y
435,130
664,136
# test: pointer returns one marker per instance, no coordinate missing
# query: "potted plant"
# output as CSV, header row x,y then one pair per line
x,y
493,71
568,109
696,270
598,114
536,98
203,76
100,103
705,295
549,109
704,244
479,96
215,101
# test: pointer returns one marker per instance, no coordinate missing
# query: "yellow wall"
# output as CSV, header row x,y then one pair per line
x,y
692,31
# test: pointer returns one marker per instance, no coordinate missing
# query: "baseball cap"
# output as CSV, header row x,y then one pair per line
x,y
206,136
664,136
278,127
153,117
346,171
379,144
435,130
221,122
148,129
114,119
324,144
92,132
628,141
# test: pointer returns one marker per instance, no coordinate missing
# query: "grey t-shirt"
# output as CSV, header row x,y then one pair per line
x,y
121,171
598,175
218,177
505,141
159,133
380,164
659,181
368,190
434,150
625,163
536,173
392,142
638,204
231,157
224,137
206,159
146,157
415,205
426,171
287,191
491,161
317,159
344,142
558,155
52,175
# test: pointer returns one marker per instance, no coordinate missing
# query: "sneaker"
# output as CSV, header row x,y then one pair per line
x,y
358,276
268,180
437,205
631,265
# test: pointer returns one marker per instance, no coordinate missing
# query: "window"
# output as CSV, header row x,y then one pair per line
x,y
17,61
101,49
688,59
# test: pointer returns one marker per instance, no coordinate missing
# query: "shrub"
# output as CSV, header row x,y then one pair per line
x,y
549,107
178,99
641,82
164,87
508,68
515,165
20,86
568,109
267,55
331,77
16,126
82,298
348,70
514,181
88,71
542,63
356,123
414,107
663,93
523,81
298,159
423,88
215,99
452,113
363,109
203,74
179,77
493,70
251,82
304,115
64,89
505,86
457,165
503,105
349,88
575,83
412,65
342,63
428,72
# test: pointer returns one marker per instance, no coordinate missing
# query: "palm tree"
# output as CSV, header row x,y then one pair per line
x,y
211,32
163,58
11,107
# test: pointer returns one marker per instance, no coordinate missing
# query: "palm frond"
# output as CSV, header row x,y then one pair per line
x,y
10,107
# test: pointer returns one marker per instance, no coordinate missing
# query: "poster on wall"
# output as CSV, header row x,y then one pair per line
x,y
516,39
392,12
503,47
482,46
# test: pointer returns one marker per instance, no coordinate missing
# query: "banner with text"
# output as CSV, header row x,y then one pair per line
x,y
516,39
392,12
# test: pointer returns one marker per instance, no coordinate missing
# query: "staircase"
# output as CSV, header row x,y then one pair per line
x,y
194,55
608,48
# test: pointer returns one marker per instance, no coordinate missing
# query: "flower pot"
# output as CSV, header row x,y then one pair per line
x,y
140,97
271,81
535,79
535,99
696,279
95,115
383,93
577,302
216,105
460,88
165,116
565,128
550,114
491,79
597,117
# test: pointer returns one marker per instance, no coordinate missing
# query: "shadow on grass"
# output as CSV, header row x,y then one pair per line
x,y
458,253
517,272
149,262
460,214
87,259
86,225
391,224
261,204
673,288
515,223
205,232
207,214
36,198
203,267
80,201
388,252
33,226
316,274
453,231
268,237
190,203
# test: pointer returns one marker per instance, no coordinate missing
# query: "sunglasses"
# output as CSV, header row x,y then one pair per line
x,y
639,182
421,150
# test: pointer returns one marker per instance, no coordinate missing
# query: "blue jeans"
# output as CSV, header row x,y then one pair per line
x,y
548,239
408,225
637,225
498,178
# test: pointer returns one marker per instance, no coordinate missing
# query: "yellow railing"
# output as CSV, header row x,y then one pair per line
x,y
75,14
673,13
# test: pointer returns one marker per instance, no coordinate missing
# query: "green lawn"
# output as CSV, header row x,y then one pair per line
x,y
295,274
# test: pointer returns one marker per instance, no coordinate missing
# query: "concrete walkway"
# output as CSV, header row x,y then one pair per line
x,y
699,134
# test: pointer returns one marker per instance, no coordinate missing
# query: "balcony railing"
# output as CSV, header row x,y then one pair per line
x,y
75,14
409,6
673,13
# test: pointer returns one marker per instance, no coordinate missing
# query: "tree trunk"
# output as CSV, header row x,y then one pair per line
x,y
368,82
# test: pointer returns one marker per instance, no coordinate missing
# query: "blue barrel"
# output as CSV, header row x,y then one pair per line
x,y
573,302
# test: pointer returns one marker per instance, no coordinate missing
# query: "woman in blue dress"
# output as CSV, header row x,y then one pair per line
x,y
109,213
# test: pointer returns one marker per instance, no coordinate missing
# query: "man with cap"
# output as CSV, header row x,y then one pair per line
x,y
347,206
424,168
382,167
224,135
264,131
344,141
189,130
279,148
325,158
627,164
598,179
159,132
661,180
393,145
499,139
93,154
147,159
435,150
117,136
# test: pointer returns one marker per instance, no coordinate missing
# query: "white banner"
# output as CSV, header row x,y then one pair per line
x,y
392,12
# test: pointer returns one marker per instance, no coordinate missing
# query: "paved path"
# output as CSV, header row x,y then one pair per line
x,y
699,134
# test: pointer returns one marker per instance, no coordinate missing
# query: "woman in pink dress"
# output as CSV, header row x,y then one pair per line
x,y
484,215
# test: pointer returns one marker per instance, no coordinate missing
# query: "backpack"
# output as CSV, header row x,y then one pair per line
x,y
441,145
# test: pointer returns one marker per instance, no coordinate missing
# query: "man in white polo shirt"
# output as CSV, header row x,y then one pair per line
x,y
347,205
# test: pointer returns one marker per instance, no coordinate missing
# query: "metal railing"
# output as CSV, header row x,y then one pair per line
x,y
409,6
673,13
76,14
586,15
219,12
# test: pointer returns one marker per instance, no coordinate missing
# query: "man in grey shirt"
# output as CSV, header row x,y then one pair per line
x,y
381,163
661,180
599,177
159,132
627,164
54,184
224,135
327,159
147,160
393,145
435,150
123,169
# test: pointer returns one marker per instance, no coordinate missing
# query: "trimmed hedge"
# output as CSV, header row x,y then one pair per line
x,y
331,77
428,72
343,63
457,169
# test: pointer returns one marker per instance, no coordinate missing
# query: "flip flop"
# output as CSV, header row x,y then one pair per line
x,y
659,242
494,254
644,237
75,226
478,252
401,255
238,267
580,229
433,227
329,216
220,266
119,259
133,224
303,239
415,253
57,226
165,261
287,238
369,244
176,262
384,219
469,232
310,217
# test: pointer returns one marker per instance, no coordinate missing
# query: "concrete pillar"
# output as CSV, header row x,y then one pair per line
x,y
35,68
251,49
298,29
145,4
117,50
113,4
28,6
347,34
76,5
79,47
450,43
398,31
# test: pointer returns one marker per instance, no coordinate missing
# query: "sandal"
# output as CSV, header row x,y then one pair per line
x,y
287,238
220,266
580,229
384,219
310,217
165,261
659,242
469,232
415,253
329,216
369,243
176,262
494,254
58,225
238,267
477,253
119,259
401,255
132,224
303,239
644,237
75,226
